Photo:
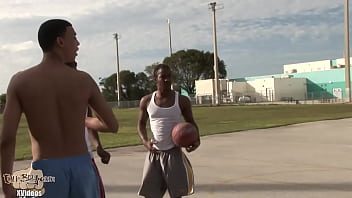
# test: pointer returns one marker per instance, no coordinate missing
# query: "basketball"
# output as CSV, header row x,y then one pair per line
x,y
184,134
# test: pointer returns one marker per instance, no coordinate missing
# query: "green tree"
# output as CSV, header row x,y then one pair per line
x,y
108,91
127,83
2,102
149,71
144,84
2,99
190,65
132,86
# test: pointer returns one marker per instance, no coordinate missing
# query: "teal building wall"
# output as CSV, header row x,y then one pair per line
x,y
320,84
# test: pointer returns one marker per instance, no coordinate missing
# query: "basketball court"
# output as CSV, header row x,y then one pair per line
x,y
302,160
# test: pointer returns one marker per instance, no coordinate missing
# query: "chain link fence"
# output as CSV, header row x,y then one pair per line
x,y
317,97
2,107
310,98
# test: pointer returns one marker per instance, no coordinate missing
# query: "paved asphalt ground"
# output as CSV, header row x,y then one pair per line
x,y
310,160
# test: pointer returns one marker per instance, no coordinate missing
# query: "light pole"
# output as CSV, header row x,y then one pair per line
x,y
216,88
347,53
117,37
169,25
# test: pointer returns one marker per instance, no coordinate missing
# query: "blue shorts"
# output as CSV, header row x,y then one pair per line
x,y
73,177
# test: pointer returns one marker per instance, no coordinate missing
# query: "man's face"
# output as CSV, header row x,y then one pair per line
x,y
71,44
163,79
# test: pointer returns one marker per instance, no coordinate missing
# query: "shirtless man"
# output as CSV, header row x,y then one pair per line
x,y
54,98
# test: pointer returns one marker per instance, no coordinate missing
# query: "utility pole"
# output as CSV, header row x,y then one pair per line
x,y
347,53
117,37
170,48
216,88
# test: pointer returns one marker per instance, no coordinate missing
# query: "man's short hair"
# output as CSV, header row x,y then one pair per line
x,y
160,66
49,31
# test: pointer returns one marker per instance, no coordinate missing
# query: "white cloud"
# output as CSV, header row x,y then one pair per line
x,y
17,47
273,31
51,8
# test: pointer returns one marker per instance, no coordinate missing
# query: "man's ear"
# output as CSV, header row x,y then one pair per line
x,y
59,41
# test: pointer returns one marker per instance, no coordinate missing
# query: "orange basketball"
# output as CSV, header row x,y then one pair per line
x,y
184,134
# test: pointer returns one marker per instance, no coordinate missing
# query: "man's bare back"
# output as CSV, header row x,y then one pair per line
x,y
55,109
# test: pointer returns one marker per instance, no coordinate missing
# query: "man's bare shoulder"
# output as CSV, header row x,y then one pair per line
x,y
84,75
22,76
145,100
184,101
184,98
18,78
23,73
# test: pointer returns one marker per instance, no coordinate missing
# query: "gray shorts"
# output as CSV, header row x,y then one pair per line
x,y
167,170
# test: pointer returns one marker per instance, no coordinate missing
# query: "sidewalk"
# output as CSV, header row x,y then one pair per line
x,y
302,160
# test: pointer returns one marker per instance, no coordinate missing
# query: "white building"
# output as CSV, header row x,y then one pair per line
x,y
270,89
205,89
308,67
317,80
258,90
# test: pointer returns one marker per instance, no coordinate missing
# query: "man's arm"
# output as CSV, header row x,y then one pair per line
x,y
11,118
105,121
186,108
142,122
95,140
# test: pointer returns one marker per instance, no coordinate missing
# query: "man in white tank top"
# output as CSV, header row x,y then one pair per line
x,y
166,166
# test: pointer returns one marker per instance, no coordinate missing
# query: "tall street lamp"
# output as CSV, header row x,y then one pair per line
x,y
216,88
347,53
117,37
169,25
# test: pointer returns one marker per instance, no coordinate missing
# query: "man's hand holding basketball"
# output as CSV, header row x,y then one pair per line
x,y
193,146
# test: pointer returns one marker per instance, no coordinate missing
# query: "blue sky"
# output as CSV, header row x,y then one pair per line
x,y
255,37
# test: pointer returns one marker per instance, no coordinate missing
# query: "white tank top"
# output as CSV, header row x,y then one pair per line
x,y
162,120
86,137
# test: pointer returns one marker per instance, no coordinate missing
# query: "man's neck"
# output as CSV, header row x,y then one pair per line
x,y
164,93
52,58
